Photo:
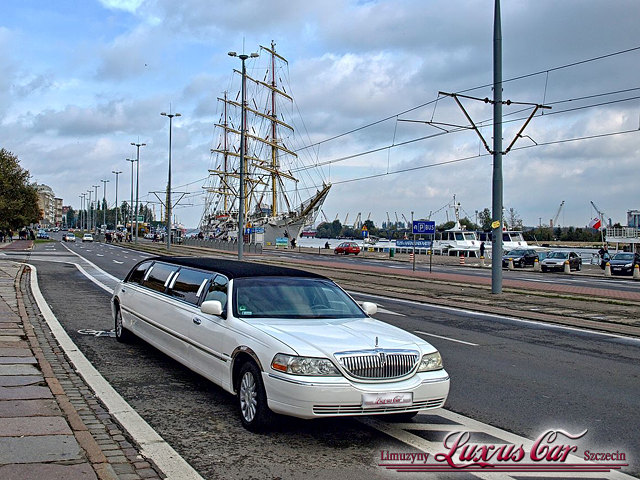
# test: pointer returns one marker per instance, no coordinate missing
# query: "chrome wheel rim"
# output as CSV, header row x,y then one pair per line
x,y
248,397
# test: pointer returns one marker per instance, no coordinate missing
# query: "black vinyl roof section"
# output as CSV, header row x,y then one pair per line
x,y
234,268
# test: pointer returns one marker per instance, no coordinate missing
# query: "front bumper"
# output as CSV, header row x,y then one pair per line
x,y
314,397
621,270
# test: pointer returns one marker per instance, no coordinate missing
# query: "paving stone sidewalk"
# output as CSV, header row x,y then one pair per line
x,y
51,424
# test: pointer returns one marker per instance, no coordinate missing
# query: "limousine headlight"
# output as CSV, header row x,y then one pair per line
x,y
430,362
304,365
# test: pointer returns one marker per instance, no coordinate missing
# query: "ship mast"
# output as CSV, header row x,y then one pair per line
x,y
274,138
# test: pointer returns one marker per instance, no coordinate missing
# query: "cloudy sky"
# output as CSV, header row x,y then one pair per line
x,y
82,79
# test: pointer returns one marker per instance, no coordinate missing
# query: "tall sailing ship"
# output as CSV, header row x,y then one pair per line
x,y
278,203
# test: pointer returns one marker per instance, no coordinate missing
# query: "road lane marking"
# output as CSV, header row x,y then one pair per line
x,y
152,445
119,263
472,313
446,338
117,280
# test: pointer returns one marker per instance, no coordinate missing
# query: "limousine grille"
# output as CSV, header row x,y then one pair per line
x,y
378,364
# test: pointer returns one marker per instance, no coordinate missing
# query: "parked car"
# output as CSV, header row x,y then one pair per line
x,y
42,234
347,248
68,237
87,237
282,340
556,260
623,263
521,257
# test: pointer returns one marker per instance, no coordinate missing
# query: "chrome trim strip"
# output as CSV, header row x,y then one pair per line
x,y
436,380
305,384
204,282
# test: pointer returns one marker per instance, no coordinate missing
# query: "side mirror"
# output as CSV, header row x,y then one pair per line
x,y
369,308
211,307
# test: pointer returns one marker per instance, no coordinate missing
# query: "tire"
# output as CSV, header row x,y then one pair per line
x,y
252,399
399,417
579,267
122,334
544,269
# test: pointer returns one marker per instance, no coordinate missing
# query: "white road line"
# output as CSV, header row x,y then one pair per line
x,y
119,263
93,279
389,312
117,280
152,444
446,338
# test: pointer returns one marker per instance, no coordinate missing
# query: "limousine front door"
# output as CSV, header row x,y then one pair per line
x,y
206,334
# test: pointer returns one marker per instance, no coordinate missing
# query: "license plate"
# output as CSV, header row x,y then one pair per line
x,y
387,399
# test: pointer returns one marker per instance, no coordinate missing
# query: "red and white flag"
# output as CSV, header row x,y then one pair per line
x,y
595,223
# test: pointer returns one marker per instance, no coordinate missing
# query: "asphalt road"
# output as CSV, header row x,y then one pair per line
x,y
516,375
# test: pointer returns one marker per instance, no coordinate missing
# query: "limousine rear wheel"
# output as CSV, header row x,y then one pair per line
x,y
122,334
252,399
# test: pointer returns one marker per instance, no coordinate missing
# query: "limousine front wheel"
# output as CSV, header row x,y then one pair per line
x,y
122,334
252,399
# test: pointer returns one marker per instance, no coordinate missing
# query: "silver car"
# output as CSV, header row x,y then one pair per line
x,y
558,258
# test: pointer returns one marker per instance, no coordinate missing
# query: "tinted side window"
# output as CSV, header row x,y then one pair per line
x,y
158,276
188,284
218,290
137,275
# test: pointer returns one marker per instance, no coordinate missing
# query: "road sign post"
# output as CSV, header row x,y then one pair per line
x,y
422,227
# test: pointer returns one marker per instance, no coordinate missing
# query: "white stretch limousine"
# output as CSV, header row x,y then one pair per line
x,y
282,340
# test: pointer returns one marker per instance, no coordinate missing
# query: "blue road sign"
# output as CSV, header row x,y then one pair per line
x,y
422,227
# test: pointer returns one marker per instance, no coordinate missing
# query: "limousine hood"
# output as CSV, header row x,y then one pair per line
x,y
323,338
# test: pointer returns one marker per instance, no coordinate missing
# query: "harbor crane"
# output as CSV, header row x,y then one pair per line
x,y
358,221
397,221
554,220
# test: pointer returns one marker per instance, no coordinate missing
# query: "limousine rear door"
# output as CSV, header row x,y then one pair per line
x,y
202,332
209,332
158,319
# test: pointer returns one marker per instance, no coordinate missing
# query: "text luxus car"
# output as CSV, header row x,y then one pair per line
x,y
281,340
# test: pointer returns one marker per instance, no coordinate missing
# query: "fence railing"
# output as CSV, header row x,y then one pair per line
x,y
622,232
255,248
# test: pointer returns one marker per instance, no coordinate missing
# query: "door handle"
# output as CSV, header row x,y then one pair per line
x,y
197,321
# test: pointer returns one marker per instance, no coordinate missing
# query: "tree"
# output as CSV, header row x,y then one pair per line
x,y
18,199
513,220
484,217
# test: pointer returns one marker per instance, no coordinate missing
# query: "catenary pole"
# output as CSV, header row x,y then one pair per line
x,y
496,226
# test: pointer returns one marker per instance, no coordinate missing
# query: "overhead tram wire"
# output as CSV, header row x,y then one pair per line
x,y
480,124
520,77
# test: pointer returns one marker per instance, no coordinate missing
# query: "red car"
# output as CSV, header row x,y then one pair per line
x,y
347,248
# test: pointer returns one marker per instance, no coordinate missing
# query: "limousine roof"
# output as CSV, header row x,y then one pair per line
x,y
235,268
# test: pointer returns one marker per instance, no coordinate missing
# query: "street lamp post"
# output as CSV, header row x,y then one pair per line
x,y
168,200
243,126
81,206
137,145
95,211
132,160
116,173
89,212
104,202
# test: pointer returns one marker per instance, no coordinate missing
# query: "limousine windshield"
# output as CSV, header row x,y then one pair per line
x,y
292,297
